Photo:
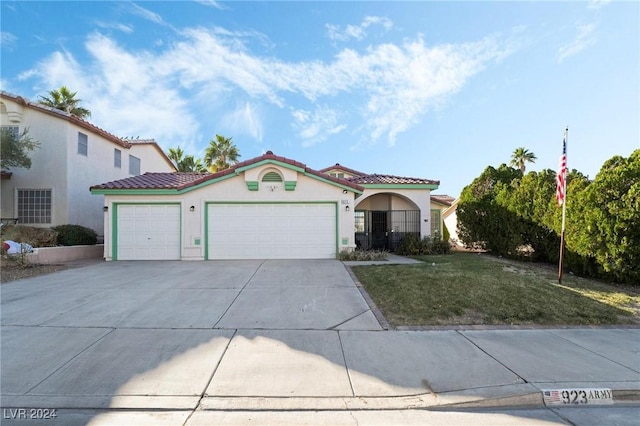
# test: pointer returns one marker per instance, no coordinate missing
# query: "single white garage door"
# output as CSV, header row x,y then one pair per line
x,y
148,232
271,231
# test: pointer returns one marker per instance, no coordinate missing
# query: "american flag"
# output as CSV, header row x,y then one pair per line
x,y
552,396
561,180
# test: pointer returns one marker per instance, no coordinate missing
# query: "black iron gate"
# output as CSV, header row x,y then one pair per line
x,y
383,230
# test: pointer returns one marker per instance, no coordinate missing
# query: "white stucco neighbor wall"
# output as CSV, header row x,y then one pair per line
x,y
235,189
151,160
48,163
451,220
420,197
56,165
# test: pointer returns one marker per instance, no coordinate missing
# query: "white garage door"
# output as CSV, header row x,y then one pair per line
x,y
148,232
271,231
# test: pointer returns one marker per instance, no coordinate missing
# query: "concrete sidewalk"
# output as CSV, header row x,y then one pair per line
x,y
191,342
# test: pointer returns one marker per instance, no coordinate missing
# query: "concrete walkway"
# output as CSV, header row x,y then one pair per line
x,y
214,342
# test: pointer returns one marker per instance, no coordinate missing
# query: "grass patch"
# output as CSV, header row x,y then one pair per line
x,y
467,288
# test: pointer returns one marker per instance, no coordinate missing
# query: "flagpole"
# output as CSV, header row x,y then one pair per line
x,y
564,209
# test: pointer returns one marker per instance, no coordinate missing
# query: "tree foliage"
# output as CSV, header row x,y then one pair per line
x,y
65,100
185,163
515,215
221,154
15,149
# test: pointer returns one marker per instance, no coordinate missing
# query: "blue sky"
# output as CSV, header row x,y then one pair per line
x,y
437,90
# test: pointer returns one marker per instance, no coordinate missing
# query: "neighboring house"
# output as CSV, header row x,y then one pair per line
x,y
390,207
268,207
73,155
450,217
440,210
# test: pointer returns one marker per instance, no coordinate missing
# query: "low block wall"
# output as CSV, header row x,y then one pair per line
x,y
66,254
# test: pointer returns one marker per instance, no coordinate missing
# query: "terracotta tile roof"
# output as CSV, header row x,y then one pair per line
x,y
391,180
156,180
180,181
338,166
442,199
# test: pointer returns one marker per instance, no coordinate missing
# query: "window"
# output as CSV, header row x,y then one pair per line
x,y
360,221
83,144
435,223
117,158
12,130
337,175
134,165
34,206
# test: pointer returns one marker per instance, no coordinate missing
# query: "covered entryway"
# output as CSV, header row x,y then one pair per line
x,y
275,230
147,232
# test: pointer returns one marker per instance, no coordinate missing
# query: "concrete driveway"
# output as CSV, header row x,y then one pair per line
x,y
273,294
182,342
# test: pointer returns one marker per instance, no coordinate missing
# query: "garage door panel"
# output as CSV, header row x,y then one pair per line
x,y
271,231
148,232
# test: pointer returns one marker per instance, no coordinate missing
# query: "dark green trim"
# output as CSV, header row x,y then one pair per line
x,y
114,223
252,185
400,186
290,185
206,217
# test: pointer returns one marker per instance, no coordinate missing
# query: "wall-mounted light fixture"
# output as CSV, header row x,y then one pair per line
x,y
192,208
347,208
105,208
344,191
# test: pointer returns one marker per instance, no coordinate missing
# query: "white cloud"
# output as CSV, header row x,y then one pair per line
x,y
583,40
358,32
244,120
146,14
388,87
597,4
210,3
315,127
7,39
115,26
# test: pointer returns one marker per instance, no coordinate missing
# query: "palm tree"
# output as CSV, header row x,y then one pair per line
x,y
185,163
65,100
521,156
190,164
221,154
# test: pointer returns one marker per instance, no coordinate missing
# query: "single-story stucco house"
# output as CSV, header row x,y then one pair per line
x,y
268,207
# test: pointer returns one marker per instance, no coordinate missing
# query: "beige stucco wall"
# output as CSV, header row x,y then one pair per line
x,y
233,190
56,165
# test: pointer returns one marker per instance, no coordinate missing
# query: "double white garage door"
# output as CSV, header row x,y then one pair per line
x,y
234,231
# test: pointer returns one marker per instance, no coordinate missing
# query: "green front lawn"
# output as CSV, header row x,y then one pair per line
x,y
467,288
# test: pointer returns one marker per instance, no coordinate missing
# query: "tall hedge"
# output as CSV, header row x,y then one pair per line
x,y
503,211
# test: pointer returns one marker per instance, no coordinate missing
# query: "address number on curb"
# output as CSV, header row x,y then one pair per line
x,y
577,396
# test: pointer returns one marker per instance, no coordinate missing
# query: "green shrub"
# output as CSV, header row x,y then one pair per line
x,y
411,245
35,237
75,235
362,255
